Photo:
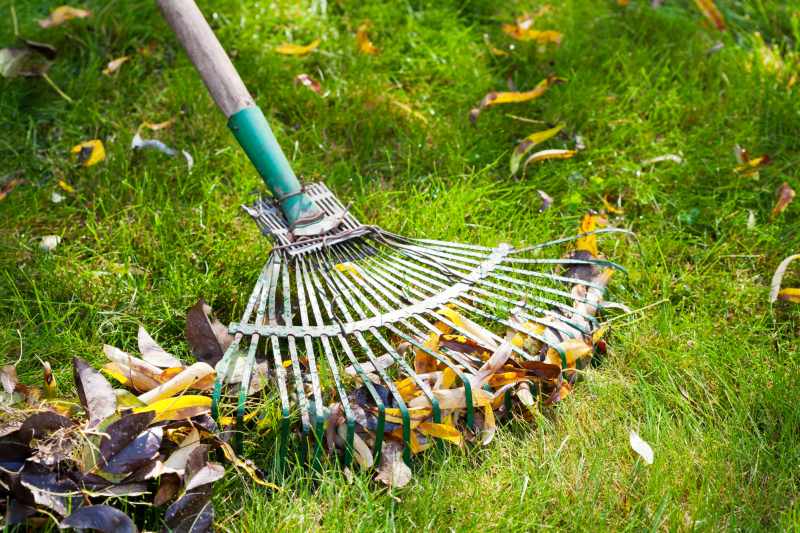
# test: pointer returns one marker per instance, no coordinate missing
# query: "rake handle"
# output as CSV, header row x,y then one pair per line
x,y
207,55
245,119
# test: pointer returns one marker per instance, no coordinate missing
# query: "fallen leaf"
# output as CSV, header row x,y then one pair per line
x,y
8,378
38,425
57,197
187,378
365,46
66,186
59,495
307,81
547,201
114,65
588,241
495,98
103,518
711,12
393,472
138,143
544,155
785,196
155,354
539,36
777,280
494,50
89,152
137,453
178,408
675,158
27,62
121,433
49,242
156,126
192,513
289,49
208,339
95,393
641,447
62,14
529,142
9,186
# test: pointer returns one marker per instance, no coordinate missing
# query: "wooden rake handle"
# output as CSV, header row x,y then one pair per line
x,y
207,55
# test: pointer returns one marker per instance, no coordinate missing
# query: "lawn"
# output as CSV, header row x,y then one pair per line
x,y
705,370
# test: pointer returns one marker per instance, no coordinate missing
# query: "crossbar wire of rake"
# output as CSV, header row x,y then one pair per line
x,y
306,313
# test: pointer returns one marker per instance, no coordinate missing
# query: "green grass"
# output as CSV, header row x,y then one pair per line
x,y
708,375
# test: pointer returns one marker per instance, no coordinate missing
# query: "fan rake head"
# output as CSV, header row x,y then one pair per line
x,y
362,302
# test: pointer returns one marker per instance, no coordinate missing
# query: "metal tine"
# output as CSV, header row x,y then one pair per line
x,y
371,356
280,371
269,281
225,363
527,296
298,376
494,336
332,363
387,346
359,370
416,332
530,273
467,306
571,238
316,389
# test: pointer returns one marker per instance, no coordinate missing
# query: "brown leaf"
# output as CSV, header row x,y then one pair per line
x,y
365,46
208,339
169,485
95,392
9,186
103,518
307,81
28,62
121,433
777,278
710,11
547,201
785,196
137,453
155,354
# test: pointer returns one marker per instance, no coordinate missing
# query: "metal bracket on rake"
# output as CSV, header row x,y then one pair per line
x,y
348,299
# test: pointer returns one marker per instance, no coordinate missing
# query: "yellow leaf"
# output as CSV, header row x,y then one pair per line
x,y
611,208
90,152
178,408
540,37
231,456
529,142
348,268
494,50
424,362
114,65
448,378
365,46
495,98
441,431
710,11
50,385
544,155
62,14
289,49
66,186
789,295
588,243
157,125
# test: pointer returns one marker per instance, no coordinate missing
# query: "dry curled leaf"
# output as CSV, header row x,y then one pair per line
x,y
50,242
96,394
207,337
34,59
529,143
103,518
775,291
290,49
675,158
307,81
89,152
62,14
365,46
9,186
538,36
785,196
544,155
641,447
711,12
547,201
495,98
114,65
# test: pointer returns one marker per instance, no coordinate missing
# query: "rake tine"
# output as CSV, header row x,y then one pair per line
x,y
280,371
298,377
318,424
332,364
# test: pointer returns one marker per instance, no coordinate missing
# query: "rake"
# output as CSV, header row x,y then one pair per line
x,y
337,293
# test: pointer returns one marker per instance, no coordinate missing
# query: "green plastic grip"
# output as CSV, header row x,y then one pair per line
x,y
251,129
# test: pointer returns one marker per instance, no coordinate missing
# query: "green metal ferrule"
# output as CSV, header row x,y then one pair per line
x,y
251,129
